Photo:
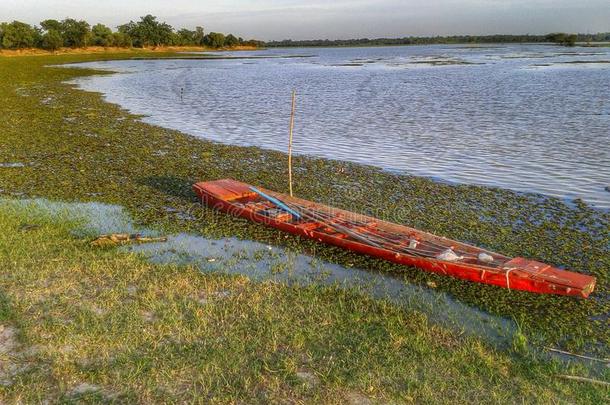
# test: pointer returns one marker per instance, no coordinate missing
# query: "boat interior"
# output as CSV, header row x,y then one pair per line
x,y
342,224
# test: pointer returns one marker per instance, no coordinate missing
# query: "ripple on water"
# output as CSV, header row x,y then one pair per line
x,y
492,121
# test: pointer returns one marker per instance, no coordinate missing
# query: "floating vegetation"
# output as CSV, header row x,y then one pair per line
x,y
409,62
444,62
537,55
585,62
479,46
207,56
580,63
119,166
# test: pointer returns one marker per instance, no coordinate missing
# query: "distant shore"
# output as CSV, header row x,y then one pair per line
x,y
177,49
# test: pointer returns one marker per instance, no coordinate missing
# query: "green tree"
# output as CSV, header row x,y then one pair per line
x,y
52,40
214,40
199,35
101,35
148,32
570,40
231,40
562,38
185,37
17,35
121,39
128,29
76,33
48,25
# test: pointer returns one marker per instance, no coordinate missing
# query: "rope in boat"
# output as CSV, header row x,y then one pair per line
x,y
433,254
379,235
377,240
372,237
371,240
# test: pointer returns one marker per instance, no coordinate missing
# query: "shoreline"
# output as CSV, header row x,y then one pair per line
x,y
180,49
530,185
113,157
571,202
457,44
93,50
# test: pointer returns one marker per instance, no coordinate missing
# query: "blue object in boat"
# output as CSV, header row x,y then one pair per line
x,y
276,202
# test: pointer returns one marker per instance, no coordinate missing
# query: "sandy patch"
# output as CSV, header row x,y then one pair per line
x,y
8,352
356,398
308,378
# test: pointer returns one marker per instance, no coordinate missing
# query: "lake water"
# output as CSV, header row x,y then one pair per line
x,y
524,117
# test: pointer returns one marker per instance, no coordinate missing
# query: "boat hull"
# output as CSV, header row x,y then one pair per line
x,y
516,273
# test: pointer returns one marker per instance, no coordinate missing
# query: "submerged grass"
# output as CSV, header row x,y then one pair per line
x,y
97,325
71,145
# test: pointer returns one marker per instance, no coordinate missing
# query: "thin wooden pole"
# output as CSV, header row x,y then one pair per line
x,y
294,96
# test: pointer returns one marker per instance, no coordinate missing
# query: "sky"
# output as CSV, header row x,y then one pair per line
x,y
338,19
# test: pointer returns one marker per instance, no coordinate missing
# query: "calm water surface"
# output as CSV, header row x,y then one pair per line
x,y
524,117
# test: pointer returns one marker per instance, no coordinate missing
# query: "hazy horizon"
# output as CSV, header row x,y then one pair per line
x,y
298,19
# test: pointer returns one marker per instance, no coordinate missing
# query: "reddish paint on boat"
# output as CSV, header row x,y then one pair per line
x,y
517,273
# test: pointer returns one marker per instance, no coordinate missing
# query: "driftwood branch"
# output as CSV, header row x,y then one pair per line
x,y
123,239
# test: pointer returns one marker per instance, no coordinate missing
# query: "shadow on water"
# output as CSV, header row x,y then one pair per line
x,y
171,185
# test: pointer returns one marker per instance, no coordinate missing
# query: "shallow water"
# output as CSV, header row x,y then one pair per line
x,y
262,262
523,117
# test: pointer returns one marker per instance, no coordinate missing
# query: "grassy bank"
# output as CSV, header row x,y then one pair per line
x,y
116,50
79,323
61,143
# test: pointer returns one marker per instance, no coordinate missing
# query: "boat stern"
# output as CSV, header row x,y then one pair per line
x,y
548,279
224,190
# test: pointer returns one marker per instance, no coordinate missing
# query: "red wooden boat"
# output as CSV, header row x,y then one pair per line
x,y
392,242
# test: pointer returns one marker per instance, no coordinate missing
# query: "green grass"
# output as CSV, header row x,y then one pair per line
x,y
97,325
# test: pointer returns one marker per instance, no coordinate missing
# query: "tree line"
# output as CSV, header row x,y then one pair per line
x,y
147,32
559,38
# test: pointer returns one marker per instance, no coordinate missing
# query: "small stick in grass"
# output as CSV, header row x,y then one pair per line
x,y
123,238
577,355
584,379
